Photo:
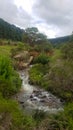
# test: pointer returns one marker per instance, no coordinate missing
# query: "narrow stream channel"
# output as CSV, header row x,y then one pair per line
x,y
33,98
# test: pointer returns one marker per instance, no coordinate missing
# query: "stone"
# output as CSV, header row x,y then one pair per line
x,y
42,100
31,96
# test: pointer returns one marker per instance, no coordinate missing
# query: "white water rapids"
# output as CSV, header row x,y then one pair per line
x,y
33,98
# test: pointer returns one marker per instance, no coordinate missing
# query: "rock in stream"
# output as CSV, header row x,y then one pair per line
x,y
32,98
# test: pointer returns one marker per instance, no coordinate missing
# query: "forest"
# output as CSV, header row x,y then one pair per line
x,y
52,70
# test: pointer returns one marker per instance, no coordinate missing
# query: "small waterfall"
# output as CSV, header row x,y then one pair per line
x,y
25,85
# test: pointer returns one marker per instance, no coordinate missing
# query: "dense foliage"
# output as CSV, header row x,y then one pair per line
x,y
42,58
32,36
59,121
44,47
60,81
59,76
11,117
9,79
8,31
67,51
37,73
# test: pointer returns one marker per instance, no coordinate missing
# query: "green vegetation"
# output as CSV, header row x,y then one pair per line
x,y
58,76
32,36
19,48
52,70
9,79
59,121
10,32
44,47
29,35
5,50
37,73
56,56
11,117
67,51
42,59
57,42
60,81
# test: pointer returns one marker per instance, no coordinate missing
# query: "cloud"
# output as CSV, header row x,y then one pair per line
x,y
56,13
53,17
14,15
8,10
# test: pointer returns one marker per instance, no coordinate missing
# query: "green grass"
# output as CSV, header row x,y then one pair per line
x,y
5,50
55,58
12,118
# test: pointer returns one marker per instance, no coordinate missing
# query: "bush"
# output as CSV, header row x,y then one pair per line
x,y
42,58
11,117
37,73
44,47
39,115
60,121
67,51
60,81
10,82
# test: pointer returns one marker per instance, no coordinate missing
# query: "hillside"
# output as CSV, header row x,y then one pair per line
x,y
60,40
8,31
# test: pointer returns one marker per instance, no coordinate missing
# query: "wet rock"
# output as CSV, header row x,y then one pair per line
x,y
61,100
36,98
37,92
42,100
43,96
31,96
34,91
21,102
23,105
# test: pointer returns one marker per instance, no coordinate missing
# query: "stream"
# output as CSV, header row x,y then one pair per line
x,y
33,98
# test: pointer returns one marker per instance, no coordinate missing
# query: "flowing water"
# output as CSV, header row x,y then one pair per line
x,y
33,98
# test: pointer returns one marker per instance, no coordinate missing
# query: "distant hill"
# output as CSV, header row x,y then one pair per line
x,y
9,31
60,40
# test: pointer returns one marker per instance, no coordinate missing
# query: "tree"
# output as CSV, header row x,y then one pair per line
x,y
32,36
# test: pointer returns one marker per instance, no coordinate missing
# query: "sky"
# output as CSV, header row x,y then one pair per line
x,y
52,17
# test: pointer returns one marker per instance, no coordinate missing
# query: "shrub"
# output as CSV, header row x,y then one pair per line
x,y
67,51
9,79
60,81
42,58
37,73
11,117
